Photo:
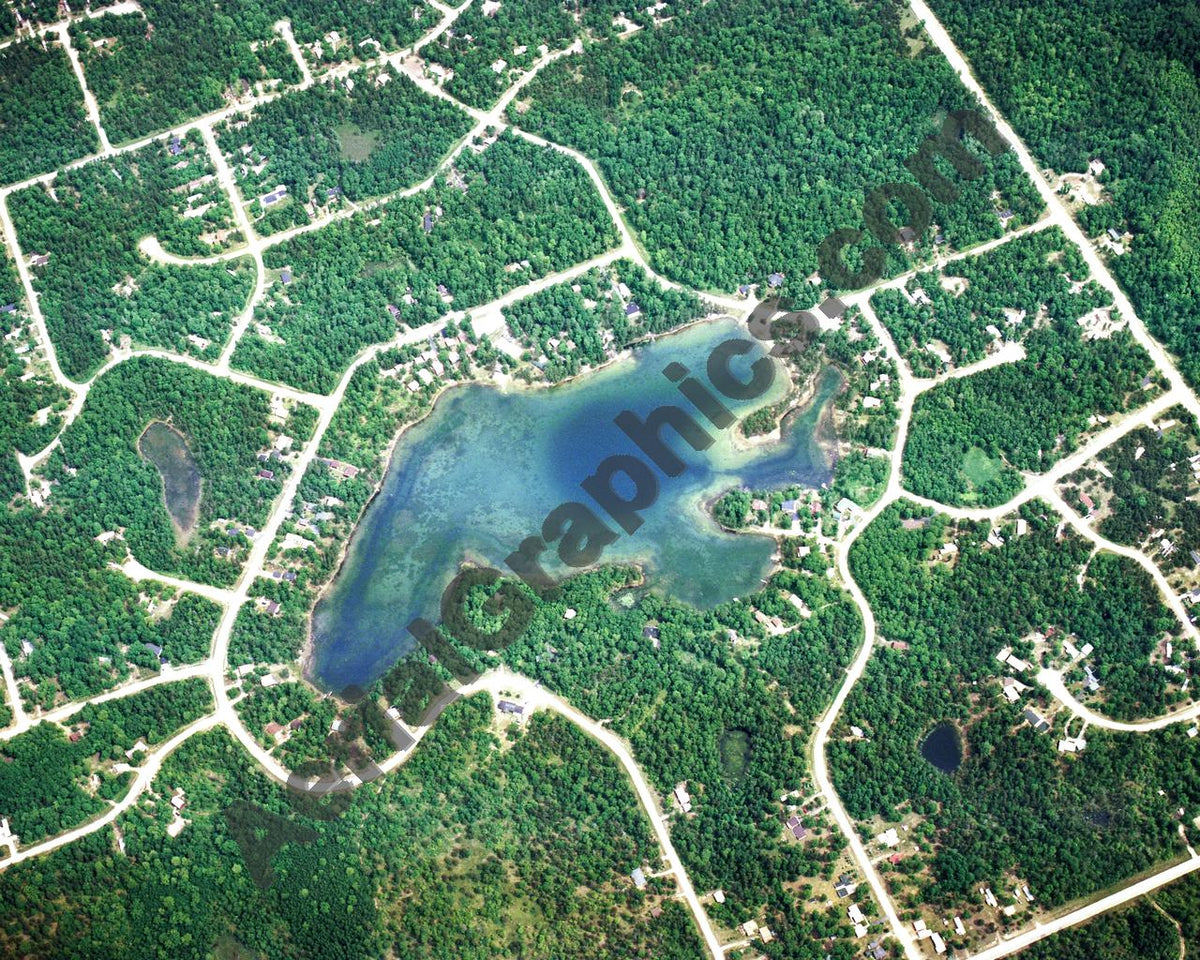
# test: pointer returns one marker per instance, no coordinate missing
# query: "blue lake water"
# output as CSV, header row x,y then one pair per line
x,y
481,472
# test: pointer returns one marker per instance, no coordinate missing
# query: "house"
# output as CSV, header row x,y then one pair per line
x,y
273,608
274,196
833,308
908,235
273,729
623,291
8,308
856,914
39,259
744,289
718,896
266,474
875,951
750,928
889,838
1005,216
1034,720
959,929
286,277
845,886
846,508
427,224
632,310
245,669
269,680
295,724
650,633
333,192
797,827
394,311
178,801
26,648
507,706
175,148
1090,681
639,878
1113,235
154,649
775,280
939,945
681,796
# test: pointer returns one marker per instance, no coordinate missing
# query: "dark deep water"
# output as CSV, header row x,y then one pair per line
x,y
943,748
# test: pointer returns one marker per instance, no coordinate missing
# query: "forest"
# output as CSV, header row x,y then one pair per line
x,y
521,202
43,124
1015,804
513,36
100,473
585,323
381,136
970,436
1114,81
97,288
479,846
739,137
1008,288
176,60
1148,493
44,775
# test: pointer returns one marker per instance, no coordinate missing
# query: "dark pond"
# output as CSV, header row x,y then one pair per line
x,y
942,747
166,448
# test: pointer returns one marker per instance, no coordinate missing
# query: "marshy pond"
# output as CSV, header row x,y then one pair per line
x,y
943,747
167,449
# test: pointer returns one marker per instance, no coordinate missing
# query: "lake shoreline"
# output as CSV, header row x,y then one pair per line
x,y
387,461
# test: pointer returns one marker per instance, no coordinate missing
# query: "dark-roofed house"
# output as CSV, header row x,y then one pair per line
x,y
1035,720
286,276
8,308
796,827
266,474
333,192
632,309
1114,235
907,235
428,222
394,311
154,648
775,280
833,308
507,706
175,148
744,289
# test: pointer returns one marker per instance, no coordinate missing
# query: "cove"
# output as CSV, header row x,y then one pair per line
x,y
481,472
167,449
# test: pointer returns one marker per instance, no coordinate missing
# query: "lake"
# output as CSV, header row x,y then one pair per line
x,y
167,449
481,472
942,747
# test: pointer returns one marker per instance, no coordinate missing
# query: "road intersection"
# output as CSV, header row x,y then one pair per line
x,y
215,667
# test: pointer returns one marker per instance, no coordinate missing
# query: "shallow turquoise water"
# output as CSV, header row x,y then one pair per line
x,y
481,472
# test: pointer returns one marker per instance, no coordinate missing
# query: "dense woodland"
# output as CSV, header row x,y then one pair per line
x,y
1015,804
101,473
1008,288
1149,489
521,202
379,136
1116,81
1157,927
90,221
515,34
477,847
176,60
739,137
584,323
42,121
44,775
970,436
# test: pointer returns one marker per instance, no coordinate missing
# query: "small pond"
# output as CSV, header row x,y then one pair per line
x,y
735,753
167,449
942,747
